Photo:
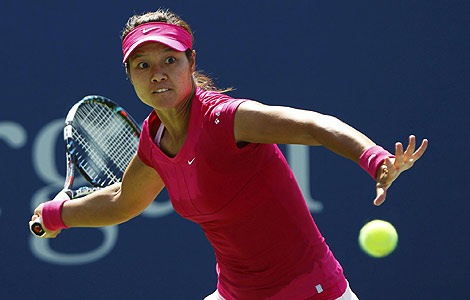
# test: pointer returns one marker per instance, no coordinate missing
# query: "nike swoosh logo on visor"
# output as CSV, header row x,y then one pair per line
x,y
147,30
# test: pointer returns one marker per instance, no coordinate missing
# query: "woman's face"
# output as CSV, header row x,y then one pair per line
x,y
162,77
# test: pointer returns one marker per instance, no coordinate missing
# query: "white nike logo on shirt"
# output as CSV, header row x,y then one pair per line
x,y
191,161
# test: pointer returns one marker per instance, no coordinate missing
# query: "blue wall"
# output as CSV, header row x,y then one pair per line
x,y
389,69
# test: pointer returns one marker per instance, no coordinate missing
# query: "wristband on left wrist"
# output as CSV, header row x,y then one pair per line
x,y
372,158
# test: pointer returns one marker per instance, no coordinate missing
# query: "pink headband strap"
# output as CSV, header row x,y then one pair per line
x,y
171,35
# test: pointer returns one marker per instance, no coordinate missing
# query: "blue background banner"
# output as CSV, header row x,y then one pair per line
x,y
388,68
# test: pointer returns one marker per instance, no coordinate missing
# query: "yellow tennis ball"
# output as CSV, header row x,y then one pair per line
x,y
378,238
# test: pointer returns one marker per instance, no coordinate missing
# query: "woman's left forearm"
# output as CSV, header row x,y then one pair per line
x,y
340,137
259,123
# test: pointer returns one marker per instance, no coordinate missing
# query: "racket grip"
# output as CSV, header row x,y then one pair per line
x,y
36,227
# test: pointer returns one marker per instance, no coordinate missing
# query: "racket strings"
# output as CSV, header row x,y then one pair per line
x,y
95,165
111,168
109,130
104,137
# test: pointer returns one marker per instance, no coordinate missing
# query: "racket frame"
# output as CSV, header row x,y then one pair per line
x,y
72,162
70,143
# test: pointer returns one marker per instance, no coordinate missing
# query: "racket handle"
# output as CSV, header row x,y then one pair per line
x,y
36,227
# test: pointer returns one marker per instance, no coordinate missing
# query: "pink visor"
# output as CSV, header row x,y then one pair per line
x,y
170,35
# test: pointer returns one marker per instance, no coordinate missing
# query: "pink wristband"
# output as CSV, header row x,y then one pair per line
x,y
372,158
52,215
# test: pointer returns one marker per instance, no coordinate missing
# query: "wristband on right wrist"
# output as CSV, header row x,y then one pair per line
x,y
52,215
372,158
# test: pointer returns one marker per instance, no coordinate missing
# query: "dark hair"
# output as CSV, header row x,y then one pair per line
x,y
166,16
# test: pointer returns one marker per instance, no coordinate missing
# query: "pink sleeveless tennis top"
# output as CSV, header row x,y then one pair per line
x,y
249,205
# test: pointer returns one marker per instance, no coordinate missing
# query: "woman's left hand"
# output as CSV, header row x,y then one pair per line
x,y
392,167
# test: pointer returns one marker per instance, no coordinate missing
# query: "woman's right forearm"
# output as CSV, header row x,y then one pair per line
x,y
101,208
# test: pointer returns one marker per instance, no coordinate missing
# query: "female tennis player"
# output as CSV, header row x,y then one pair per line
x,y
217,157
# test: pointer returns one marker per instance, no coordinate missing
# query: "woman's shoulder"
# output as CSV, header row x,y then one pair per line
x,y
212,98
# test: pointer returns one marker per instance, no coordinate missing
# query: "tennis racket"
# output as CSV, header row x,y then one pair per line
x,y
101,138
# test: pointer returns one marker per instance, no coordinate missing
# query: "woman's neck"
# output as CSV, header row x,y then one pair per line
x,y
176,122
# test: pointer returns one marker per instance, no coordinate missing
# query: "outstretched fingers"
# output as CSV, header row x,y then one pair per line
x,y
407,158
410,149
422,148
399,159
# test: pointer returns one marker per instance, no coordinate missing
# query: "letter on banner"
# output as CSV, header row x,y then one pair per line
x,y
298,157
14,136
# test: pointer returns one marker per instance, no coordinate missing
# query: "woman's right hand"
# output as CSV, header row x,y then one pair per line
x,y
36,215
